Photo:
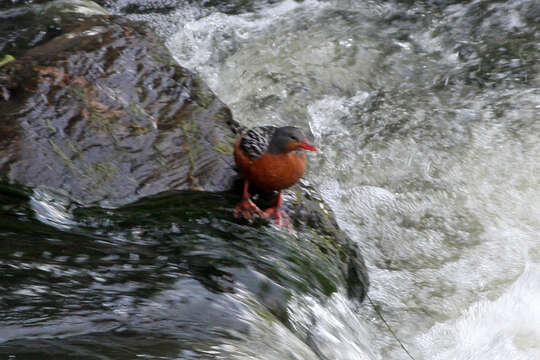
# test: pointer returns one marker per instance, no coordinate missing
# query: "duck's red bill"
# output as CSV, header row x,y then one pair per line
x,y
305,145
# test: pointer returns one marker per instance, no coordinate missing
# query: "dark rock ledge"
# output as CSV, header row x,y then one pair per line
x,y
97,109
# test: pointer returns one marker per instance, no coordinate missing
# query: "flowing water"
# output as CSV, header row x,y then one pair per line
x,y
428,115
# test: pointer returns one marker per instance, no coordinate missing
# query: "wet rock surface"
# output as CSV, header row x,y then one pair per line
x,y
104,113
117,190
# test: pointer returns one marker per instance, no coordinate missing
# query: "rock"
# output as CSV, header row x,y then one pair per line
x,y
100,113
116,206
104,113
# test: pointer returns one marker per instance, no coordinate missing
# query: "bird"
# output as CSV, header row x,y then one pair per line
x,y
272,159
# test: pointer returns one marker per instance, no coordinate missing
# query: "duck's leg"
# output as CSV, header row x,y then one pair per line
x,y
246,207
280,217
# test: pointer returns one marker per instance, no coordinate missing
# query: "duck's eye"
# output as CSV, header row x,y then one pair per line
x,y
294,138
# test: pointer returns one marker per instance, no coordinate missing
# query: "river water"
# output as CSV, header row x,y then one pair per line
x,y
428,115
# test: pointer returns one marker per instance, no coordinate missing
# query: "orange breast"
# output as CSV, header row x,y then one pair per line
x,y
269,171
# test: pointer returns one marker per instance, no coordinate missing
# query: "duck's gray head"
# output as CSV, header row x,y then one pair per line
x,y
288,138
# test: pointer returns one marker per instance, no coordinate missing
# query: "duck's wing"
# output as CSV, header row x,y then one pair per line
x,y
255,141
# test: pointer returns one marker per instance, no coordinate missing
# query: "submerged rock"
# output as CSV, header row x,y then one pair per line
x,y
174,266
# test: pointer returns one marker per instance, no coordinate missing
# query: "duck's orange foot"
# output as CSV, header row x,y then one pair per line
x,y
246,209
280,217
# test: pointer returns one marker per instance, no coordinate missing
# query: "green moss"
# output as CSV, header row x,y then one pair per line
x,y
6,59
222,147
93,113
15,191
51,128
189,151
109,127
158,58
79,91
137,111
164,59
58,151
260,310
159,43
73,148
105,170
159,156
138,130
196,135
191,134
203,98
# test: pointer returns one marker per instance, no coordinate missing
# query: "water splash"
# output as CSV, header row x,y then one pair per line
x,y
52,208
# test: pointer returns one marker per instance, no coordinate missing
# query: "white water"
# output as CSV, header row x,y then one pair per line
x,y
440,186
